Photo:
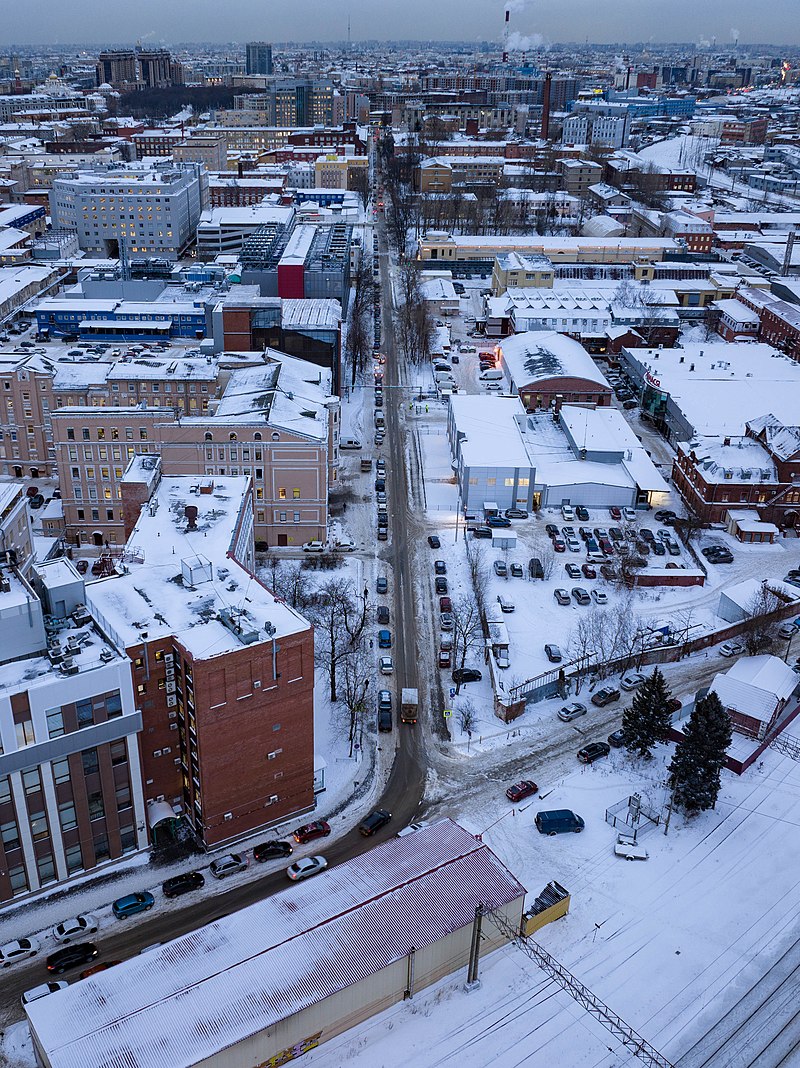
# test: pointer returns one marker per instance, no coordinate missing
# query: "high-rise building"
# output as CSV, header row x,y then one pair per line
x,y
259,58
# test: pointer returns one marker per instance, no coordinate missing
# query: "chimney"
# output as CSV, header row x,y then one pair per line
x,y
548,78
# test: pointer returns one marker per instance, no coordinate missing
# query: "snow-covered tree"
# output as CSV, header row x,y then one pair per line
x,y
647,720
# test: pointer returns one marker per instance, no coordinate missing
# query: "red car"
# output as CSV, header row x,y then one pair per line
x,y
310,831
559,546
588,571
445,604
606,546
520,790
615,513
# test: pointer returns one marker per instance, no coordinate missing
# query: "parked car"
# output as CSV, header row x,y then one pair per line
x,y
462,675
439,567
434,541
386,665
562,596
374,821
498,521
309,831
516,571
314,546
500,569
381,585
629,515
552,530
573,571
71,957
574,710
384,639
308,866
520,790
600,596
384,700
275,849
615,513
103,966
787,630
632,680
553,653
506,604
41,991
605,696
559,546
183,884
131,904
481,532
582,513
573,545
558,821
350,443
608,571
617,739
664,515
446,621
444,658
445,604
732,648
440,584
516,513
593,751
567,513
581,595
230,864
76,927
19,949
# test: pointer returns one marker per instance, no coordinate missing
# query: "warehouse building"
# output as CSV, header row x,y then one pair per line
x,y
267,983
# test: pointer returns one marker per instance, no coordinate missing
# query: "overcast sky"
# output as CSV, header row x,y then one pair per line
x,y
107,21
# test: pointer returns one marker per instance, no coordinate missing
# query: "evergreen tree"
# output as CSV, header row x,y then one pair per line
x,y
700,756
647,720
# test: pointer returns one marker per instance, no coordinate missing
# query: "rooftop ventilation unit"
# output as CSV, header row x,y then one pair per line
x,y
190,511
237,621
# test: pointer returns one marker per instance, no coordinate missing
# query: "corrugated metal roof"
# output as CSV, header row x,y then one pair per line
x,y
207,990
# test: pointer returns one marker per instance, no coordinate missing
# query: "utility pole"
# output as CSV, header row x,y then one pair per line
x,y
473,982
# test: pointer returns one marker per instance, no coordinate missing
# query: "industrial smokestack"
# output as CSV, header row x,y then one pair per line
x,y
628,78
508,12
548,78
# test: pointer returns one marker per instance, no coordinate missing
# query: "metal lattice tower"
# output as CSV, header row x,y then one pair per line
x,y
787,745
632,1041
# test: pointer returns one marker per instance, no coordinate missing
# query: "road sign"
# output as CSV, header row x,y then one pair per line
x,y
447,713
452,691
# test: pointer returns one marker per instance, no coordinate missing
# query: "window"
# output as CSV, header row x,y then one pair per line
x,y
114,705
5,789
83,710
257,436
90,762
46,868
119,753
18,879
74,858
70,434
296,494
60,771
55,722
25,734
127,840
9,835
101,851
39,828
66,816
96,808
31,781
123,796
281,494
85,433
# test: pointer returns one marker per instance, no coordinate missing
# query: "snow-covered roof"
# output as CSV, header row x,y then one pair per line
x,y
535,356
182,1002
755,684
737,458
487,430
155,598
736,311
783,441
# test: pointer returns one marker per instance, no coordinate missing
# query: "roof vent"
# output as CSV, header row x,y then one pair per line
x,y
190,511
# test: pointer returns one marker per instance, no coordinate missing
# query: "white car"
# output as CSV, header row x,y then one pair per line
x,y
730,648
314,546
350,443
387,665
74,928
567,513
600,597
345,545
631,681
411,828
43,990
302,869
629,514
19,949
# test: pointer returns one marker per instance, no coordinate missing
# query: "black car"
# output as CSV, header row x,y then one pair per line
x,y
383,615
593,751
374,821
182,884
272,850
71,957
582,513
441,584
466,675
553,530
665,516
482,532
617,739
439,567
384,719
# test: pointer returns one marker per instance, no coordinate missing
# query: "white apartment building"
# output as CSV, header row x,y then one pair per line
x,y
148,211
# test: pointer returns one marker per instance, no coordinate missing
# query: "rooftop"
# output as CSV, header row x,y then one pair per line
x,y
535,356
250,970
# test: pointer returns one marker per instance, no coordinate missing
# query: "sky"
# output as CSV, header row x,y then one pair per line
x,y
110,21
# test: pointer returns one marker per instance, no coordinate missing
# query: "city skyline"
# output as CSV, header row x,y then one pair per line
x,y
95,22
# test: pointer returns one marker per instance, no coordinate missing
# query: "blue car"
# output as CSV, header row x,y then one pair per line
x,y
132,903
384,639
498,521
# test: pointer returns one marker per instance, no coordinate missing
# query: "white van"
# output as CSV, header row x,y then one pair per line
x,y
444,378
492,375
380,422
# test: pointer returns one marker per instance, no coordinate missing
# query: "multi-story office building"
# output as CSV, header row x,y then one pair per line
x,y
154,212
70,782
209,149
150,68
259,58
225,682
118,66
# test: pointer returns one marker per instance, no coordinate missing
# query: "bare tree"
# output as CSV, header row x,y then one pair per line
x,y
478,573
272,566
358,182
294,585
355,671
548,559
415,327
466,716
758,624
359,329
340,618
467,629
581,646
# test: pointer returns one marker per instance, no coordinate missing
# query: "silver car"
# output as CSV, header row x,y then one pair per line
x,y
571,711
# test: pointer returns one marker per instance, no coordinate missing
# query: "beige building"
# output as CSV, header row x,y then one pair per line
x,y
448,248
332,171
521,272
210,149
579,174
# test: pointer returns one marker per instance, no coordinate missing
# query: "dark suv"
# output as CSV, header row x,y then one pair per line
x,y
374,821
272,850
182,884
605,696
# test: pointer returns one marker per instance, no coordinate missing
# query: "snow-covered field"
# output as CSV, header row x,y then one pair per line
x,y
670,943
